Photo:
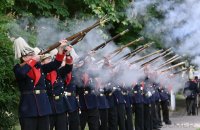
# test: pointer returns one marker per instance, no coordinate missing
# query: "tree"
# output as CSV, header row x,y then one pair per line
x,y
8,91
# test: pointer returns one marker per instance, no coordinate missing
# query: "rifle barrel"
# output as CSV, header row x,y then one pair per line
x,y
180,71
174,66
124,46
146,56
151,60
169,62
105,43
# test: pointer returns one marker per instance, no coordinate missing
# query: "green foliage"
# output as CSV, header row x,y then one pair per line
x,y
113,8
15,31
8,91
39,8
5,4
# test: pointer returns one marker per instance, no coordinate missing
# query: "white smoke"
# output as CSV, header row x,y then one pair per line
x,y
49,31
179,28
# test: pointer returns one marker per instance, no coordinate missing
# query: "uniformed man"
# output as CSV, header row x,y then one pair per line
x,y
55,90
120,104
71,93
88,99
128,107
157,105
34,106
112,111
138,103
190,92
165,99
102,104
148,124
154,113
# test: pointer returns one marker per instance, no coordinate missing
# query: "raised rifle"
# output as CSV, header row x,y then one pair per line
x,y
146,56
159,56
136,51
77,37
169,62
105,43
170,59
174,66
117,51
182,70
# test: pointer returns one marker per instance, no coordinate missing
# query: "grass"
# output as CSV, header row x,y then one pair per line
x,y
17,127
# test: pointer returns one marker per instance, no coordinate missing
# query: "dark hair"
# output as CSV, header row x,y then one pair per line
x,y
21,60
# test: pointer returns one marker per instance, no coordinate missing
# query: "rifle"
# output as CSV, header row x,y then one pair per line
x,y
77,36
174,66
167,63
170,59
159,56
105,43
146,56
182,70
117,51
137,50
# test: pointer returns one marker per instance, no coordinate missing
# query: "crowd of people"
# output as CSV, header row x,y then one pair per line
x,y
57,93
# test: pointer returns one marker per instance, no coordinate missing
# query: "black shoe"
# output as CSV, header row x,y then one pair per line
x,y
168,122
156,129
160,124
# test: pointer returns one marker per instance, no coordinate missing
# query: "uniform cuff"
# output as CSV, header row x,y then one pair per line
x,y
59,57
31,62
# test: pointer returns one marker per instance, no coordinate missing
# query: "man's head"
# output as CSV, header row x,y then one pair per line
x,y
22,49
27,56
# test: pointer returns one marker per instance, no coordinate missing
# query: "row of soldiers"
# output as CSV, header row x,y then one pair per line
x,y
64,96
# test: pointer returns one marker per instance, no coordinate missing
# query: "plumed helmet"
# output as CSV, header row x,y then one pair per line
x,y
21,48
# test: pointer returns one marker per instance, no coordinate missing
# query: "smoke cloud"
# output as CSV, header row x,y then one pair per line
x,y
178,29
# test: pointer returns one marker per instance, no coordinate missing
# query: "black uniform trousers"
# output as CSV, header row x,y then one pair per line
x,y
190,106
90,116
158,110
74,120
154,115
129,118
112,118
58,121
139,116
103,119
147,117
165,110
34,123
121,116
